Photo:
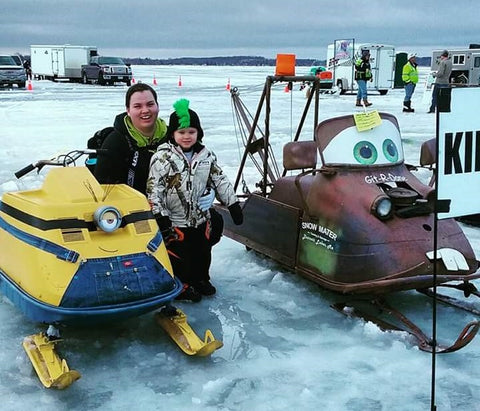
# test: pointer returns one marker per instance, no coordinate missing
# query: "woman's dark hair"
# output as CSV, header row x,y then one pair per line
x,y
139,87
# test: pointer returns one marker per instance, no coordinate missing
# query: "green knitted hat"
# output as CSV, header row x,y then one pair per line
x,y
183,117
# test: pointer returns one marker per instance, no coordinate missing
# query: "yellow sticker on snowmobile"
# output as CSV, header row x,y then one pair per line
x,y
367,121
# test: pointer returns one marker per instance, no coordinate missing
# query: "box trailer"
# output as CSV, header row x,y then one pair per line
x,y
60,62
341,56
465,64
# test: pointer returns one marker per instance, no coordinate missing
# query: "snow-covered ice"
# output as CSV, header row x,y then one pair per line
x,y
284,347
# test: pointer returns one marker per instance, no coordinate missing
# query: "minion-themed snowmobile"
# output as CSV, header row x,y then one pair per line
x,y
76,253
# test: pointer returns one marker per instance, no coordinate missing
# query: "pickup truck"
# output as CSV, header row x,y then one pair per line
x,y
11,73
106,70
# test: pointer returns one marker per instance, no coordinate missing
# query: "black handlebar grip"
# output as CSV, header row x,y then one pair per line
x,y
25,170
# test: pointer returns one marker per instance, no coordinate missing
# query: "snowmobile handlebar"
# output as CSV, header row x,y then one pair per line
x,y
63,160
24,170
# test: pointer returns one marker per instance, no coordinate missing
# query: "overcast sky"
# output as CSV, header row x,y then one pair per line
x,y
180,28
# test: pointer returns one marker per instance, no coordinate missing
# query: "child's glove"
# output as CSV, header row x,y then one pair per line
x,y
165,225
236,213
206,200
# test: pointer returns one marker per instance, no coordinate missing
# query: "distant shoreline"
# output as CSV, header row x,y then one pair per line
x,y
229,61
216,61
234,61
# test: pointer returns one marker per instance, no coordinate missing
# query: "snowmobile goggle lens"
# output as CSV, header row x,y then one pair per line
x,y
107,218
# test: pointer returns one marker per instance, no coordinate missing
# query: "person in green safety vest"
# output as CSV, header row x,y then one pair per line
x,y
410,78
363,73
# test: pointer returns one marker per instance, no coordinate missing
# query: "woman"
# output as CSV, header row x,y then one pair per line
x,y
126,151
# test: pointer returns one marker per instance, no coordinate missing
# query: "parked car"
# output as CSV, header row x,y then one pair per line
x,y
11,73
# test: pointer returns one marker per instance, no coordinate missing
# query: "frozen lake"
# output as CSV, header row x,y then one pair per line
x,y
284,347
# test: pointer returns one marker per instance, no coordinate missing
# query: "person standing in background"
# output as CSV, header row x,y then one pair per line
x,y
363,73
442,78
28,69
410,78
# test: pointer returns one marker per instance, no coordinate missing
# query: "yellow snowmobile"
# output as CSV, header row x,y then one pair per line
x,y
75,252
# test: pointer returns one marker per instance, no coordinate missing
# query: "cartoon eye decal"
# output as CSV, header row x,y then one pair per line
x,y
390,150
107,218
365,153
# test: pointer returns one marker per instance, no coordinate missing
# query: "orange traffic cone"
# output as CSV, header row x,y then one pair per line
x,y
180,81
288,87
29,85
133,80
228,84
154,80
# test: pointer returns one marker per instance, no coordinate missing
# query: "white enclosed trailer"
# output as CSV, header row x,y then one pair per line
x,y
341,56
60,62
465,64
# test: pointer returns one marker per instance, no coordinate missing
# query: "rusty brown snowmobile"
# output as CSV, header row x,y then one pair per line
x,y
347,213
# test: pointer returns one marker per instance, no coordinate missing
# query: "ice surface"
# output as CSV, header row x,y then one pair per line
x,y
285,349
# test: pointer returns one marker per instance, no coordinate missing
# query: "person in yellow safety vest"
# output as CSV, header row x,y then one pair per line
x,y
363,73
410,78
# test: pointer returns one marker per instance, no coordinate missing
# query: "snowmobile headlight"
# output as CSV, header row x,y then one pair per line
x,y
107,218
382,207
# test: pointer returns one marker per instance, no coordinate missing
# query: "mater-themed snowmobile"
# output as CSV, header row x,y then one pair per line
x,y
77,253
348,214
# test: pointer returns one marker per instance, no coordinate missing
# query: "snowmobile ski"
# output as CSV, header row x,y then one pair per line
x,y
174,322
50,368
363,309
455,302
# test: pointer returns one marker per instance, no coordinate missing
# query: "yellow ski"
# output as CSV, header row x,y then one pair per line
x,y
51,370
176,325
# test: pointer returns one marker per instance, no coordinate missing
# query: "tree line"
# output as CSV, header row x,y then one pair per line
x,y
233,61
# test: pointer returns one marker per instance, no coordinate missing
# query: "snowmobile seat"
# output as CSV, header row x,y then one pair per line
x,y
428,153
298,155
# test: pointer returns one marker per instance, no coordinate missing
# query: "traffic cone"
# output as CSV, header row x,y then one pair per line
x,y
287,89
154,80
180,81
133,79
29,85
228,84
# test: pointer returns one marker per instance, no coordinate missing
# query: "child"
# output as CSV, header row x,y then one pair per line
x,y
181,171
